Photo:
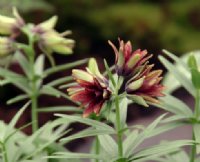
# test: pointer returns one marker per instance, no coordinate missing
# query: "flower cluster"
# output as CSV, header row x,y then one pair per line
x,y
47,38
143,84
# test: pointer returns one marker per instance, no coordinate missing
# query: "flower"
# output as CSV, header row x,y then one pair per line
x,y
11,26
91,90
6,46
145,86
128,61
52,41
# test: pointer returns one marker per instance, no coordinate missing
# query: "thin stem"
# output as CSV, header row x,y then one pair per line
x,y
197,104
5,156
193,150
196,113
97,148
34,114
34,95
118,126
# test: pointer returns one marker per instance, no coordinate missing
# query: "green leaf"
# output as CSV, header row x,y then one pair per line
x,y
64,67
17,99
195,78
86,133
60,81
109,145
130,140
90,122
39,68
166,127
16,118
48,90
196,129
143,135
182,67
138,100
192,62
174,105
23,62
177,60
185,82
175,118
159,150
64,86
16,79
68,155
109,73
59,108
39,65
123,111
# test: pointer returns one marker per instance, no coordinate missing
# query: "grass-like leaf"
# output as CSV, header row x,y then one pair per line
x,y
159,150
64,67
185,82
17,99
90,122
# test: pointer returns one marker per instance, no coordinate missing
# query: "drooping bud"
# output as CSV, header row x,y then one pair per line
x,y
9,25
6,46
51,41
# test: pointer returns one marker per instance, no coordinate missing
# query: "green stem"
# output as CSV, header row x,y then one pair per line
x,y
5,156
34,114
193,150
196,113
118,126
97,148
197,104
34,96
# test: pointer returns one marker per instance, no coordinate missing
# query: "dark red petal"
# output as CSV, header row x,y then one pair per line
x,y
82,96
90,108
98,107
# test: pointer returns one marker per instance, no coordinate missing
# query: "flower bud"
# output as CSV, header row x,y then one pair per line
x,y
6,46
51,41
11,26
135,84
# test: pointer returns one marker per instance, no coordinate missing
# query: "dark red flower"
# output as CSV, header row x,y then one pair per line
x,y
128,61
91,91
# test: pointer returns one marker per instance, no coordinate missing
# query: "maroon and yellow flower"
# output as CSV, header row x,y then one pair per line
x,y
91,90
146,84
128,61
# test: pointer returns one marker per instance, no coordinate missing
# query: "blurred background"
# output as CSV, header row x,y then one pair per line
x,y
149,24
